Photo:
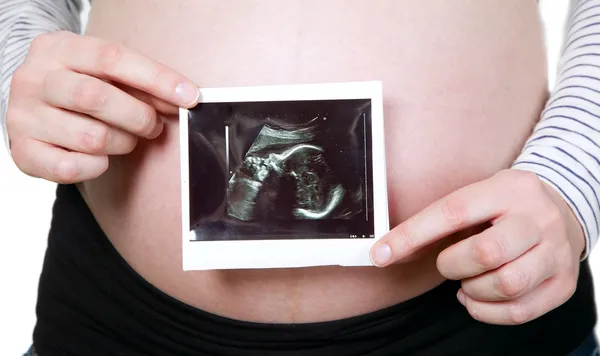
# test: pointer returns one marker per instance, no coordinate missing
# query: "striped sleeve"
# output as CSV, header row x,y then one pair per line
x,y
564,148
20,22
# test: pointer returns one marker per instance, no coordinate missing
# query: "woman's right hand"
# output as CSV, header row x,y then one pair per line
x,y
76,100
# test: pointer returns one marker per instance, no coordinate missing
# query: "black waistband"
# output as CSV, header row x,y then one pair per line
x,y
92,303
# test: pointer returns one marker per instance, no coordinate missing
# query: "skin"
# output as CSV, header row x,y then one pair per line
x,y
458,109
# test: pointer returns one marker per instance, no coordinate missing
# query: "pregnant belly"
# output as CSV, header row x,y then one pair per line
x,y
464,82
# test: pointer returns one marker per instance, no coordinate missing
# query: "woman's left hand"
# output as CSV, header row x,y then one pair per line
x,y
521,267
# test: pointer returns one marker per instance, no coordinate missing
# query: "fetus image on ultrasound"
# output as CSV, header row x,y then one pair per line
x,y
285,175
281,170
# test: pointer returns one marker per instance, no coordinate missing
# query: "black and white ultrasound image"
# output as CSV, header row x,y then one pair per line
x,y
281,170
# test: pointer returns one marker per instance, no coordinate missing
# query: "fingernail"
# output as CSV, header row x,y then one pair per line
x,y
188,93
157,129
381,255
461,297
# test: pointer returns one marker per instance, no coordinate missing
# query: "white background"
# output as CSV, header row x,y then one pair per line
x,y
24,223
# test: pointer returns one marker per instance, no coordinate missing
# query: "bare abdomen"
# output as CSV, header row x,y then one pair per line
x,y
464,82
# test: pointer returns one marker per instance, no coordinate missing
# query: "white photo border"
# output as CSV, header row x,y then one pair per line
x,y
211,255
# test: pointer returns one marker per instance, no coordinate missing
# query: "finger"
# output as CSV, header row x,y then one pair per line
x,y
466,207
113,61
546,297
158,104
96,98
42,160
504,241
514,279
80,133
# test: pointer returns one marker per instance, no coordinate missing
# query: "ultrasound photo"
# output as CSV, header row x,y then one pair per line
x,y
281,170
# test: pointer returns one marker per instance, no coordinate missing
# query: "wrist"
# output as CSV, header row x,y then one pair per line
x,y
575,230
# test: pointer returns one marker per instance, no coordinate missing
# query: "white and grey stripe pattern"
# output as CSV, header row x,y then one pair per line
x,y
564,149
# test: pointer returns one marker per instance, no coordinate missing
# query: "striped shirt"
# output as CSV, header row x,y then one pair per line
x,y
563,150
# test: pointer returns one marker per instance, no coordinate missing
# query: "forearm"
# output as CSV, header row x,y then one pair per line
x,y
564,149
20,22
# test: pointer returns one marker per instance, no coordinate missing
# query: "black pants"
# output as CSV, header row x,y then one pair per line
x,y
92,303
